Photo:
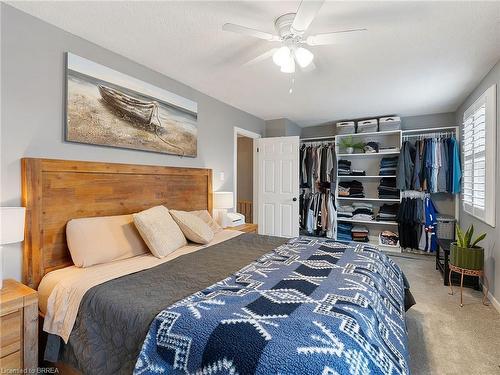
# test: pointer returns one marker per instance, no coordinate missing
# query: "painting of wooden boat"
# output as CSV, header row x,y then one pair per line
x,y
108,108
145,112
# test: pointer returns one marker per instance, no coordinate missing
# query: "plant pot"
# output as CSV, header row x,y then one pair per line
x,y
349,150
470,258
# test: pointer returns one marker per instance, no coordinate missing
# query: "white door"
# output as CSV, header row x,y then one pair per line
x,y
278,186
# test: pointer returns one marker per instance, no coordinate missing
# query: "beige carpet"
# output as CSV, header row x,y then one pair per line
x,y
443,337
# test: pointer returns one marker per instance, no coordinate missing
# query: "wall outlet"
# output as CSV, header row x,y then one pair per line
x,y
222,176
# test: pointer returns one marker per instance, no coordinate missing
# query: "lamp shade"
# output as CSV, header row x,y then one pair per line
x,y
223,199
11,224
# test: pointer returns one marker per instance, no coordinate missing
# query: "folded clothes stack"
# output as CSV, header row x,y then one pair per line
x,y
359,233
388,212
344,232
362,211
358,172
387,188
344,167
383,149
345,212
351,189
388,166
389,238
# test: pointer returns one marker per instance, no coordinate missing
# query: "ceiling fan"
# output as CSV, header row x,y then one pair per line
x,y
291,31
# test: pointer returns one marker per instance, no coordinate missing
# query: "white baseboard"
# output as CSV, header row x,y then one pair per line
x,y
493,300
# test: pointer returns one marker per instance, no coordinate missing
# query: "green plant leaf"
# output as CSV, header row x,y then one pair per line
x,y
460,236
468,236
478,239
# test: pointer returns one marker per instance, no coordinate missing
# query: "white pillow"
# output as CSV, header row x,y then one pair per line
x,y
96,240
207,218
194,228
160,232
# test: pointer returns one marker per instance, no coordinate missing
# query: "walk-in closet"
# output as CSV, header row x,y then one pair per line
x,y
374,182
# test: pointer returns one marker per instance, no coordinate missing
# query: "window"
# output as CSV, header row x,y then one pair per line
x,y
479,153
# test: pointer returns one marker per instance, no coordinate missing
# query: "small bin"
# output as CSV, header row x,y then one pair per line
x,y
346,127
367,126
389,123
445,228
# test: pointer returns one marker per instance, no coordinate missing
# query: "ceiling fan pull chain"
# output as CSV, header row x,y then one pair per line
x,y
292,83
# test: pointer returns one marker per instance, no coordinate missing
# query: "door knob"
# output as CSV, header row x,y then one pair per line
x,y
294,199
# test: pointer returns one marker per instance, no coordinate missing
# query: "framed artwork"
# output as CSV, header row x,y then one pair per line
x,y
109,108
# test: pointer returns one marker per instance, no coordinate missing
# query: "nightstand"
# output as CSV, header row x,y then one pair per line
x,y
247,228
18,326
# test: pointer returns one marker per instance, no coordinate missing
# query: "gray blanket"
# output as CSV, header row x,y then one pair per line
x,y
114,317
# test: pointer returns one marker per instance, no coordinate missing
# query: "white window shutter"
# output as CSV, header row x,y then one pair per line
x,y
479,152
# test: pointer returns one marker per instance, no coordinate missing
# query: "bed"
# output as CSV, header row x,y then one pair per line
x,y
244,303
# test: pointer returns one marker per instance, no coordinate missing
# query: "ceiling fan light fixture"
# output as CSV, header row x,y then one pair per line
x,y
282,56
289,66
303,56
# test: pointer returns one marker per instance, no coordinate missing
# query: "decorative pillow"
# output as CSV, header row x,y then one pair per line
x,y
160,232
96,240
207,218
194,228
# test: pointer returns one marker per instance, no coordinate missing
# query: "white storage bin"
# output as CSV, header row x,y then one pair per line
x,y
389,123
346,127
367,126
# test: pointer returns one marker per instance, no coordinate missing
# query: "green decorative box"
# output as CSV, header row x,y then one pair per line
x,y
469,258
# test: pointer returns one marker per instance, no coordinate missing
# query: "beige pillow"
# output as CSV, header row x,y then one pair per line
x,y
194,228
159,231
207,218
96,240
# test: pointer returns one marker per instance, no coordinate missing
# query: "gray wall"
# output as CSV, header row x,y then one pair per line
x,y
32,74
282,127
492,241
244,182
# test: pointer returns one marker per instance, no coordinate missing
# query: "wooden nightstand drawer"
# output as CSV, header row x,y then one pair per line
x,y
12,361
10,326
18,327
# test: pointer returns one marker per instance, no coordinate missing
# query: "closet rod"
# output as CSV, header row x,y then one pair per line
x,y
454,128
332,137
430,135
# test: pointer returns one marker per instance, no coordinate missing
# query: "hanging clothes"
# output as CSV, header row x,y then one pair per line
x,y
318,173
417,219
430,165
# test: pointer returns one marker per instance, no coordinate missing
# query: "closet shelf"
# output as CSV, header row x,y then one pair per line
x,y
369,154
369,199
356,177
369,134
380,222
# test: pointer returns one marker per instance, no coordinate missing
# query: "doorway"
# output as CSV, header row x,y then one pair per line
x,y
244,182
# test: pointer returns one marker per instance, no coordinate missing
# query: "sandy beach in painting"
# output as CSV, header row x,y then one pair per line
x,y
91,120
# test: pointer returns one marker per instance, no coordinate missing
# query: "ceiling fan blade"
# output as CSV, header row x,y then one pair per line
x,y
263,56
305,15
249,32
336,37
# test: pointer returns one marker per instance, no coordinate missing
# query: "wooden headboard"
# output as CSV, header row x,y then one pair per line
x,y
55,191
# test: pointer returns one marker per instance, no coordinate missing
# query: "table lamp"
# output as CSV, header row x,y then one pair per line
x,y
11,230
222,201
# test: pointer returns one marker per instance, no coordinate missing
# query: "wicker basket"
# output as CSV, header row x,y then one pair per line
x,y
445,228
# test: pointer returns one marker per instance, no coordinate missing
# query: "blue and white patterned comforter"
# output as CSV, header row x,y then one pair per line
x,y
311,306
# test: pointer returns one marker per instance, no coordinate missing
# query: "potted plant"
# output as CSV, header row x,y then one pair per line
x,y
465,253
349,145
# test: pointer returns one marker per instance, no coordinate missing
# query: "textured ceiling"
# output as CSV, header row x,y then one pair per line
x,y
416,58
